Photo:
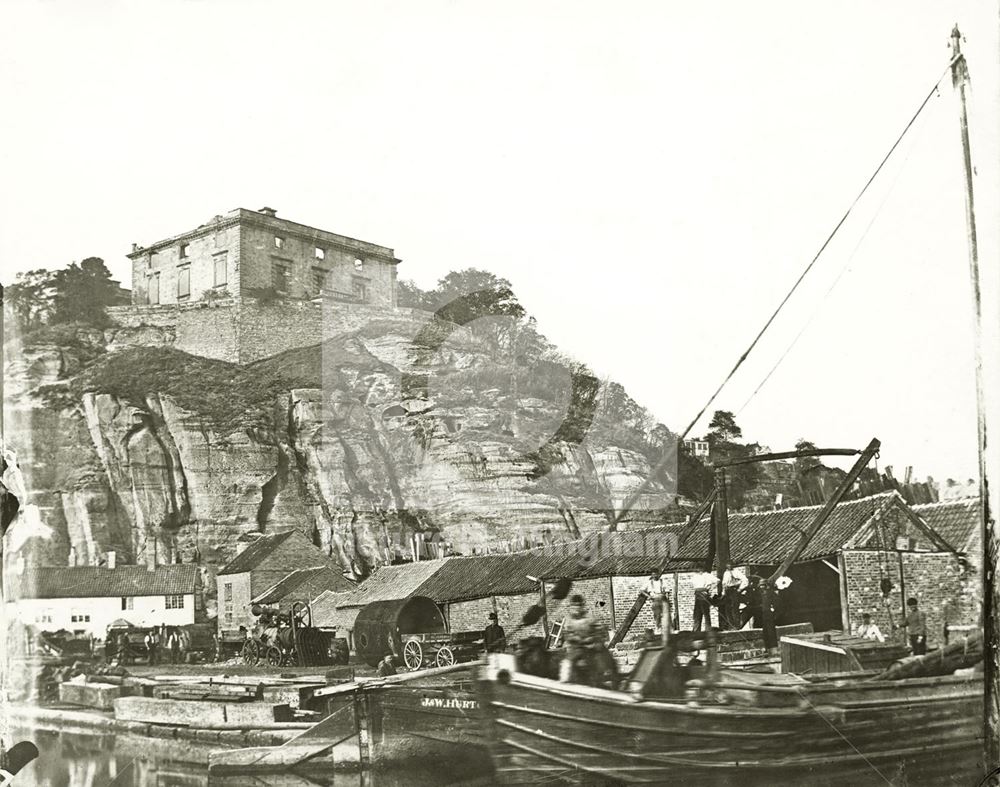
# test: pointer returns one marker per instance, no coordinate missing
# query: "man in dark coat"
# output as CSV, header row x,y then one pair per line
x,y
494,637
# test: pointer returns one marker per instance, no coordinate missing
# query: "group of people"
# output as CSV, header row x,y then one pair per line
x,y
914,621
168,640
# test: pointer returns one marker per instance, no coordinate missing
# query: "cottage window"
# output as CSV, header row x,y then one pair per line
x,y
221,269
80,617
227,592
185,248
184,281
279,277
153,290
127,603
279,242
320,253
173,602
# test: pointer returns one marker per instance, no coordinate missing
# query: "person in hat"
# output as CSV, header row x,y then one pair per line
x,y
386,667
869,630
494,637
915,624
582,638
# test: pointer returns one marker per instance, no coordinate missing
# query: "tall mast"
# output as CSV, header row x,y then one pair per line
x,y
991,598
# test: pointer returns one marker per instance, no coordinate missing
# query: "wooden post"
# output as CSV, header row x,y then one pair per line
x,y
545,611
845,604
991,542
666,616
611,597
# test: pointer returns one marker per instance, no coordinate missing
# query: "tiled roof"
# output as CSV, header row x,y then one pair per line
x,y
393,582
93,582
764,538
321,576
326,615
259,549
957,521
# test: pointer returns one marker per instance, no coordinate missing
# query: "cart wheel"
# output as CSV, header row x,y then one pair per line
x,y
445,657
273,655
250,652
413,654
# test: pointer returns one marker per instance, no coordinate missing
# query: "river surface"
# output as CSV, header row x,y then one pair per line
x,y
80,760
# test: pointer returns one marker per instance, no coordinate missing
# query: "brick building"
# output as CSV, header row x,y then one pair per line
x,y
259,565
838,576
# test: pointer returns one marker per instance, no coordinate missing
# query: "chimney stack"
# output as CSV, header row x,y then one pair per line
x,y
268,212
112,559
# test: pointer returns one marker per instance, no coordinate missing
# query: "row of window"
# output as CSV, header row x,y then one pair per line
x,y
281,276
279,243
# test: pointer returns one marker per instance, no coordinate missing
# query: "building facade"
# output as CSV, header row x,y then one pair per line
x,y
86,600
260,565
251,252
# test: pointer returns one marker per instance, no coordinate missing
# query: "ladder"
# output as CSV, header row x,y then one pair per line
x,y
555,635
629,618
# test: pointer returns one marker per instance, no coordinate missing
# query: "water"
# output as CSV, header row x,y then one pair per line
x,y
72,759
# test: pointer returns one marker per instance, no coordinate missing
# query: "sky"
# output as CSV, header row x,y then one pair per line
x,y
650,176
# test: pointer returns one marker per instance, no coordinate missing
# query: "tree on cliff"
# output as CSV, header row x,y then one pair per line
x,y
83,292
78,293
723,434
29,299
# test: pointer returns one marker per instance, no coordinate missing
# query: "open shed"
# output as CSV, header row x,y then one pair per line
x,y
382,625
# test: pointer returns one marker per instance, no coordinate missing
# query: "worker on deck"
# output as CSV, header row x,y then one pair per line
x,y
658,595
869,630
583,638
734,582
915,623
386,667
494,637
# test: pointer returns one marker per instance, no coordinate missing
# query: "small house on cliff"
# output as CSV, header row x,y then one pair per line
x,y
260,564
87,599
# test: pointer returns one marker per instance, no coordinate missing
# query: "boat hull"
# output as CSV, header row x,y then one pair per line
x,y
925,732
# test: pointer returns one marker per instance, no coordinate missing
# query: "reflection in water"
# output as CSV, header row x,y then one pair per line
x,y
81,760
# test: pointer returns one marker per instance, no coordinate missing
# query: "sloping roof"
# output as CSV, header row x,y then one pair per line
x,y
321,576
763,538
325,613
259,549
94,582
393,582
959,522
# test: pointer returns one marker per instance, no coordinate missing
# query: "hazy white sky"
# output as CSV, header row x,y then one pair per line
x,y
650,176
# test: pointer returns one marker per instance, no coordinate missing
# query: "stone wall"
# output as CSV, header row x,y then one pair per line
x,y
200,252
245,330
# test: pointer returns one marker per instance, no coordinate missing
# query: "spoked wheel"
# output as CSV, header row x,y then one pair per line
x,y
445,657
273,655
251,652
413,654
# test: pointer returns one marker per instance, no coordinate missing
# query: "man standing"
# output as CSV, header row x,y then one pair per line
x,y
174,644
152,644
734,582
705,586
582,638
915,624
869,630
494,638
656,591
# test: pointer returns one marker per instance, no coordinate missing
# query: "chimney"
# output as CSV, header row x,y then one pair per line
x,y
72,556
268,212
112,559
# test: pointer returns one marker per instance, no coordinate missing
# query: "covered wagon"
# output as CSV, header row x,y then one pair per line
x,y
414,630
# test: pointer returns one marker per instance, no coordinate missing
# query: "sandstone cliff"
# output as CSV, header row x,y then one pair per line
x,y
361,441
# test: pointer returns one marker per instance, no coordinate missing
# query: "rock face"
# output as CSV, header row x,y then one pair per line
x,y
361,442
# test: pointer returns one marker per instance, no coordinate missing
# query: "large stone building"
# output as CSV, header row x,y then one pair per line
x,y
248,285
250,252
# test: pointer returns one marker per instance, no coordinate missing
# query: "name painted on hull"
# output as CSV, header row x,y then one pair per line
x,y
443,702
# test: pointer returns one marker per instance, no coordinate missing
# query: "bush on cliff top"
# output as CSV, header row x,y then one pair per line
x,y
227,395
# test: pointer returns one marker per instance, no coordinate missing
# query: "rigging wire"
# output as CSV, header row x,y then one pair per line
x,y
671,452
844,270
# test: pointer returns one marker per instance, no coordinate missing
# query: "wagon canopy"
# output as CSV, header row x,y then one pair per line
x,y
382,624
